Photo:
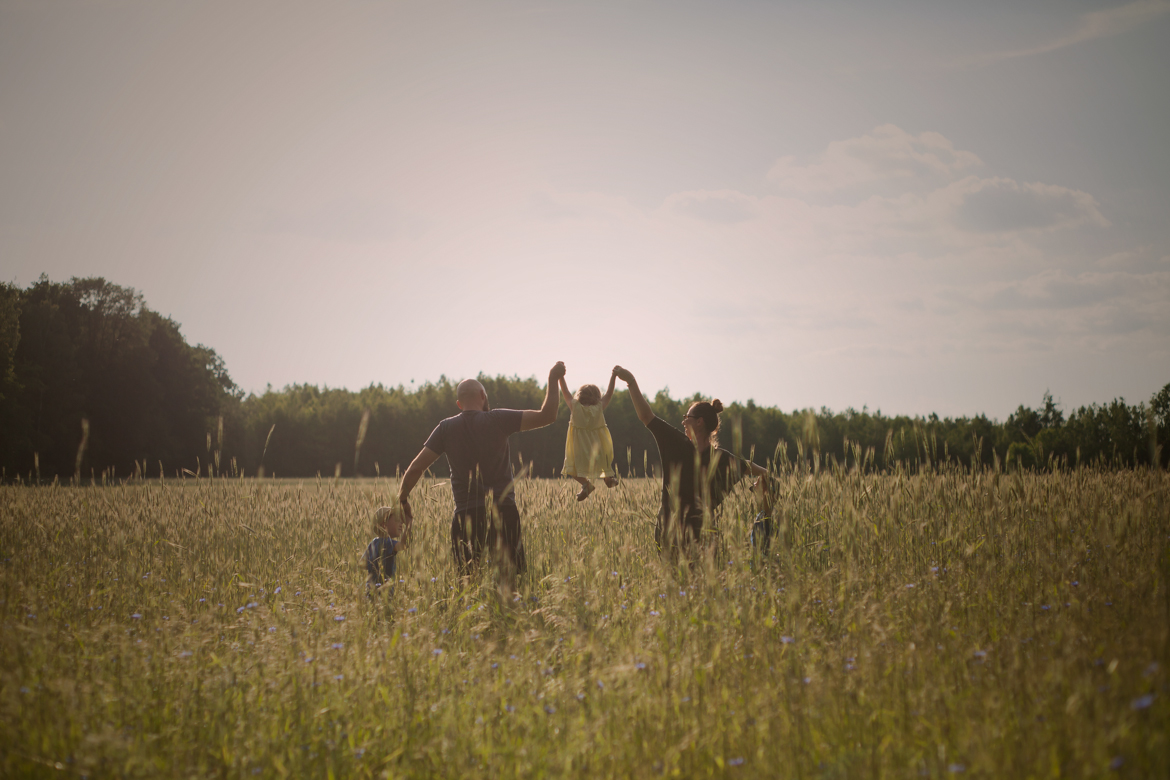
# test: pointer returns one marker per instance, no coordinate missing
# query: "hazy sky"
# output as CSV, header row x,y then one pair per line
x,y
920,207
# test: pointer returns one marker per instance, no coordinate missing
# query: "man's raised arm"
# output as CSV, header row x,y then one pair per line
x,y
547,415
645,414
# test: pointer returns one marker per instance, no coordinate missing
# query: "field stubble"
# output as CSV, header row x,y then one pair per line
x,y
943,624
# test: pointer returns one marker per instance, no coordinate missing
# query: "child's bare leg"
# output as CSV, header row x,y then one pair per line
x,y
586,488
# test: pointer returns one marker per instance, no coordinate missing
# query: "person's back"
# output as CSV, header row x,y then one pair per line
x,y
588,445
477,449
695,471
476,445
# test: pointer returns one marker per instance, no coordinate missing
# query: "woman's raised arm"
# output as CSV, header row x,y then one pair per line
x,y
645,414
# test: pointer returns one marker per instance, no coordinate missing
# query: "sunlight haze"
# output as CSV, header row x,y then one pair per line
x,y
911,206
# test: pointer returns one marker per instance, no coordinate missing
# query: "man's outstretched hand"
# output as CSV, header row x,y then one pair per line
x,y
547,415
623,374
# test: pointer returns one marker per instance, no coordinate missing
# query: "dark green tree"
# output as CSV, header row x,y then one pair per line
x,y
89,350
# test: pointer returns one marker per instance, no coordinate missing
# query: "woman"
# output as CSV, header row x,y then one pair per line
x,y
696,473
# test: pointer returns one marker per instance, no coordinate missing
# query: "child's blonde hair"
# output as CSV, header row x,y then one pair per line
x,y
589,395
386,520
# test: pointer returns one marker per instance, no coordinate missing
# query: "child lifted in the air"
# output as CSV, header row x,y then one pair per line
x,y
393,528
588,446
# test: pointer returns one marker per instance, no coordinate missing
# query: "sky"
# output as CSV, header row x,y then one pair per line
x,y
907,206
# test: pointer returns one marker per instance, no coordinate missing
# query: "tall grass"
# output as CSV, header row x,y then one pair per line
x,y
930,625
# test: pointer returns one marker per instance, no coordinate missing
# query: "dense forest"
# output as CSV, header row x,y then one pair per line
x,y
93,383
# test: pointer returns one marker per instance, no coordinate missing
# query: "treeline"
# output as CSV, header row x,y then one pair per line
x,y
311,431
93,382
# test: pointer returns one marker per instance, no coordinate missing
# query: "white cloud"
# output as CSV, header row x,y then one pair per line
x,y
1140,259
912,185
1095,24
888,250
1002,206
887,153
1057,289
725,206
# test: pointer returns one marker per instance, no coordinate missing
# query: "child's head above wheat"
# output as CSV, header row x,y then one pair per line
x,y
388,522
588,395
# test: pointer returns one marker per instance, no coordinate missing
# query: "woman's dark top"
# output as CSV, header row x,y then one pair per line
x,y
678,457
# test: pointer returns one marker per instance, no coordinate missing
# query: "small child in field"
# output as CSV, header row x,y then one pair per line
x,y
588,446
382,552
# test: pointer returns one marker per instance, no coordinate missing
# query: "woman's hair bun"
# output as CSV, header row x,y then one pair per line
x,y
717,405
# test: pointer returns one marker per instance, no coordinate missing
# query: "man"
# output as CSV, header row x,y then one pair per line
x,y
476,444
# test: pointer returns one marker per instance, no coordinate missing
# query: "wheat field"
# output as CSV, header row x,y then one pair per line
x,y
943,624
